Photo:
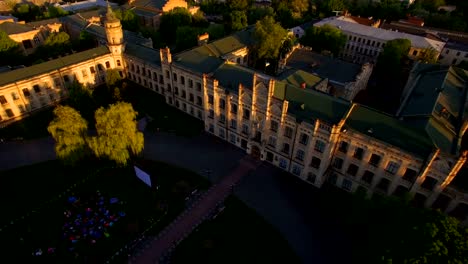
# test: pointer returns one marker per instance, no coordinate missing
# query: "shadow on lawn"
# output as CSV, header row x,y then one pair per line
x,y
43,229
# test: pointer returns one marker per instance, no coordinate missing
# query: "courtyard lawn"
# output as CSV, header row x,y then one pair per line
x,y
165,117
42,228
236,235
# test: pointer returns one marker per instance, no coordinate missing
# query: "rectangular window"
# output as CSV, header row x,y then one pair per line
x,y
232,138
210,99
84,72
272,142
107,64
246,114
174,75
311,177
304,139
300,155
374,160
245,129
21,109
392,167
273,126
352,170
358,153
118,63
199,101
222,104
234,109
26,92
182,80
221,132
315,163
319,146
338,163
283,163
92,69
343,147
191,98
9,113
222,118
288,131
3,100
233,124
211,128
285,148
347,184
296,170
155,77
410,175
198,86
36,88
190,83
211,113
367,177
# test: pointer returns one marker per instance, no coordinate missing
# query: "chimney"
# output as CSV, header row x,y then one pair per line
x,y
203,39
303,85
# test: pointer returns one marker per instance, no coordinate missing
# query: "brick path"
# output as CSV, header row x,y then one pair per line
x,y
191,218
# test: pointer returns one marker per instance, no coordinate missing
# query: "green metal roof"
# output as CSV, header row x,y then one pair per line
x,y
230,76
38,69
13,28
148,55
299,77
389,129
199,59
157,4
309,104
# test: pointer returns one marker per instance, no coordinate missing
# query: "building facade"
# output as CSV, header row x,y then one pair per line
x,y
365,43
316,137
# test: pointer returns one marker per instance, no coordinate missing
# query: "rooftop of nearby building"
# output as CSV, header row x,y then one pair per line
x,y
38,69
379,33
326,67
457,46
155,4
309,104
230,76
437,85
300,78
388,129
15,28
149,55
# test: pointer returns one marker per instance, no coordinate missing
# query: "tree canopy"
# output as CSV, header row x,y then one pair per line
x,y
117,135
324,38
237,20
69,130
6,43
55,44
128,18
393,55
170,21
10,51
269,37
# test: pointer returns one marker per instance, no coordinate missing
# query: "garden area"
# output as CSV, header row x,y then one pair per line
x,y
236,235
57,214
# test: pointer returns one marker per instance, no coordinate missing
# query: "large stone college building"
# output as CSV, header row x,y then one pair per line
x,y
286,121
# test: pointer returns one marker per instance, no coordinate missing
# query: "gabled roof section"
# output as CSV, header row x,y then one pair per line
x,y
309,104
230,76
388,129
326,67
236,41
146,54
155,4
14,28
38,69
299,77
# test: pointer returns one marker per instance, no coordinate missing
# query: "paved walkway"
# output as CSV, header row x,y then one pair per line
x,y
188,220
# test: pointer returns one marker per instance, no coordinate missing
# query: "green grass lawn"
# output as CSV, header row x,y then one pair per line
x,y
43,228
236,235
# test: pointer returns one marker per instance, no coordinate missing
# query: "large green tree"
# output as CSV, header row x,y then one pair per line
x,y
10,51
237,20
269,37
55,44
324,38
128,18
69,130
170,21
117,135
113,78
258,12
186,37
393,55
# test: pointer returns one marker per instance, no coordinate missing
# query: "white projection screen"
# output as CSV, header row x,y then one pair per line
x,y
143,176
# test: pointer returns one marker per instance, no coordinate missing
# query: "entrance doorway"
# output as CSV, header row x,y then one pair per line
x,y
255,153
